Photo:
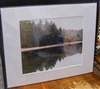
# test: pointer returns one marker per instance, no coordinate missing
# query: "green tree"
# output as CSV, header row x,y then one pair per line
x,y
26,32
47,27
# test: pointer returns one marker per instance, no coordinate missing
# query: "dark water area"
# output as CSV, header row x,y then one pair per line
x,y
45,59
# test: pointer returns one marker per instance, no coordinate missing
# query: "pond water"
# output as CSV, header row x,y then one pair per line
x,y
70,61
52,58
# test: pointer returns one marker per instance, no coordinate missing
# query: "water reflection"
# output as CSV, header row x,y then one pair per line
x,y
46,59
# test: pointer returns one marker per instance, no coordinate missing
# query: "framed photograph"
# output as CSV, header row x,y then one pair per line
x,y
47,42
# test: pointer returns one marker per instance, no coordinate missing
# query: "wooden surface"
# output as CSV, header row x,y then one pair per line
x,y
98,41
85,81
97,58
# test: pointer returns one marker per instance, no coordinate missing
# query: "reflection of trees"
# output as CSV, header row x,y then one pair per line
x,y
32,62
73,49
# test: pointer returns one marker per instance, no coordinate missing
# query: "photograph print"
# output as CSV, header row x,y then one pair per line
x,y
49,44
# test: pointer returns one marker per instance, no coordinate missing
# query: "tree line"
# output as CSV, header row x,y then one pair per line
x,y
46,33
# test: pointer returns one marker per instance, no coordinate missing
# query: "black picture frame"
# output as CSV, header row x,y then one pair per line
x,y
9,3
13,3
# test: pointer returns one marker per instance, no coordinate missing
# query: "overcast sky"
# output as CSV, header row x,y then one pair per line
x,y
75,23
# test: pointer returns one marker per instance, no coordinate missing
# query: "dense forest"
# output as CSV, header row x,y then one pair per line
x,y
45,33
